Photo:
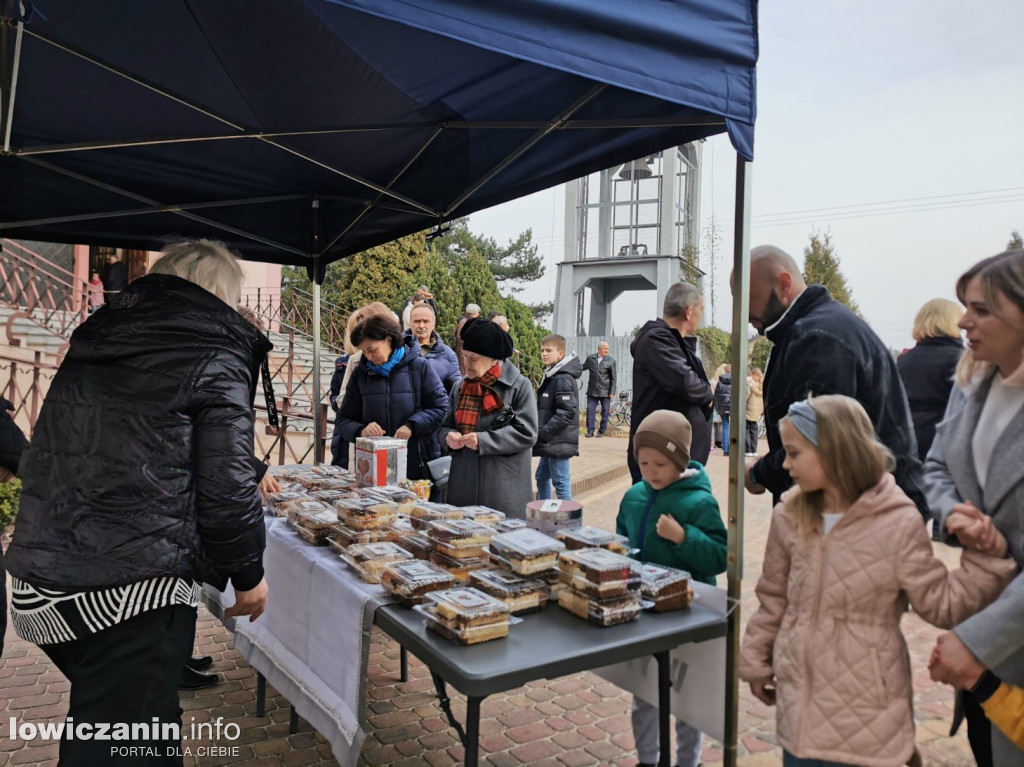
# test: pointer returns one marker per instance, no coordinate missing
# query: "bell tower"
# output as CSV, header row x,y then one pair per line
x,y
626,228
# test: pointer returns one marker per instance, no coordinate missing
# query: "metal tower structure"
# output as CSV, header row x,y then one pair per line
x,y
626,228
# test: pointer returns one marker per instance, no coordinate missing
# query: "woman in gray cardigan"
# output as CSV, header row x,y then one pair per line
x,y
976,464
491,425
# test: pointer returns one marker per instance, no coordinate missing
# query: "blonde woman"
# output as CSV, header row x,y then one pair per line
x,y
976,465
139,485
755,409
927,369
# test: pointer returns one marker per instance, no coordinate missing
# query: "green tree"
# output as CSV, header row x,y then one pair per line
x,y
527,335
715,347
713,251
821,266
385,273
691,272
517,261
759,351
1016,242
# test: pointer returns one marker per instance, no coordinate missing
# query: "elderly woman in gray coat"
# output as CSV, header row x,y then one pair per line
x,y
976,465
491,425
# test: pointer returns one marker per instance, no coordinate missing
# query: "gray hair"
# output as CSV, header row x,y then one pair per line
x,y
679,298
206,263
472,308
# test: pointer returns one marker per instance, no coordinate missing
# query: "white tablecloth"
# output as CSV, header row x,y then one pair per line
x,y
312,643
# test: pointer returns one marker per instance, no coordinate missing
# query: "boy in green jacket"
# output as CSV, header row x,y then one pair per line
x,y
674,520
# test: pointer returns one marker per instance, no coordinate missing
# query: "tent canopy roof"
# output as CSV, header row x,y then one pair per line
x,y
299,128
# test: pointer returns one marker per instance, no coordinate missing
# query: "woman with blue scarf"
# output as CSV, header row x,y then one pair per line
x,y
393,392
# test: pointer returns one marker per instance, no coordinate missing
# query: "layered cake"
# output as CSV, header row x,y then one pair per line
x,y
460,568
281,503
522,595
369,559
599,573
484,515
366,513
600,612
466,615
525,551
668,588
410,581
460,538
508,525
588,537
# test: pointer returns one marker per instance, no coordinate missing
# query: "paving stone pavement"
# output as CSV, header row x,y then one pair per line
x,y
575,720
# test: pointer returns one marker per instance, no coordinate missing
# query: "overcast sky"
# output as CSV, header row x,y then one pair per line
x,y
903,120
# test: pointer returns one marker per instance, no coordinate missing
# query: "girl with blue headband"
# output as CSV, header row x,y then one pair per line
x,y
846,552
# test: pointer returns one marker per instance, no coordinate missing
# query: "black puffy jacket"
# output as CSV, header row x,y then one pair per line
x,y
410,394
723,395
141,463
668,375
821,347
927,372
558,411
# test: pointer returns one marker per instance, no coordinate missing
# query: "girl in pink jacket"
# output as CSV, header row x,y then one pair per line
x,y
846,552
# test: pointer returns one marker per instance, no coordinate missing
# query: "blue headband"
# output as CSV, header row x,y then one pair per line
x,y
805,420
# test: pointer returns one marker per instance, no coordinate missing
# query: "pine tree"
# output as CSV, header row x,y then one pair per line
x,y
821,267
1016,242
385,273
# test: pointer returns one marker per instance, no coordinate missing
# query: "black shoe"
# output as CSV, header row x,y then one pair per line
x,y
600,434
196,680
200,663
590,434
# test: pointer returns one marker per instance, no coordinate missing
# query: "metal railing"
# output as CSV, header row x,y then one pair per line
x,y
40,291
292,309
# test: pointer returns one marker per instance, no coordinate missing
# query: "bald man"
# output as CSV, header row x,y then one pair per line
x,y
819,346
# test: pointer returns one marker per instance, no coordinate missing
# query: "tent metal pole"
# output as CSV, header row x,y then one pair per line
x,y
12,83
737,458
318,427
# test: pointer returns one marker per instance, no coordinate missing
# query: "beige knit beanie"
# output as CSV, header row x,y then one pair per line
x,y
669,433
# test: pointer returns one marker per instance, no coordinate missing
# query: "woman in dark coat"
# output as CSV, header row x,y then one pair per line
x,y
491,425
138,485
393,392
927,369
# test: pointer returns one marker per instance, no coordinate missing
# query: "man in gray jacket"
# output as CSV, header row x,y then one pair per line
x,y
600,387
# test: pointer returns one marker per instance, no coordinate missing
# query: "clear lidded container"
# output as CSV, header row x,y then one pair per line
x,y
460,568
369,559
410,581
282,502
522,595
401,526
485,515
417,544
346,536
404,497
589,537
600,612
466,606
525,551
366,513
313,515
667,587
330,495
599,573
508,525
424,512
460,538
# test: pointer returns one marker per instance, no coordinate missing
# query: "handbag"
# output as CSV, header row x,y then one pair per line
x,y
439,469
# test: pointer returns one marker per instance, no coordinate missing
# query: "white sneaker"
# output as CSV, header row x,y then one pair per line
x,y
751,455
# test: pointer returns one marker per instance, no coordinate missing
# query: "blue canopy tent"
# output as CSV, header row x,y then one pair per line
x,y
302,131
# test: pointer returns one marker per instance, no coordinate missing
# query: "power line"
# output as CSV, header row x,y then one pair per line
x,y
909,204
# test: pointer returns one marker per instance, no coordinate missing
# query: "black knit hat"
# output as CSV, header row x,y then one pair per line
x,y
484,337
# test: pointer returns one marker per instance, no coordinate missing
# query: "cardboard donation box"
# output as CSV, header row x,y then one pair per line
x,y
553,515
380,461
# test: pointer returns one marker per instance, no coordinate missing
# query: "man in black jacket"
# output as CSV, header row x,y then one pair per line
x,y
668,374
558,418
819,346
600,387
115,278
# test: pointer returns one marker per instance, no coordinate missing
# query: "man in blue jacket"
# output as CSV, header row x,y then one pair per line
x,y
440,356
819,346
